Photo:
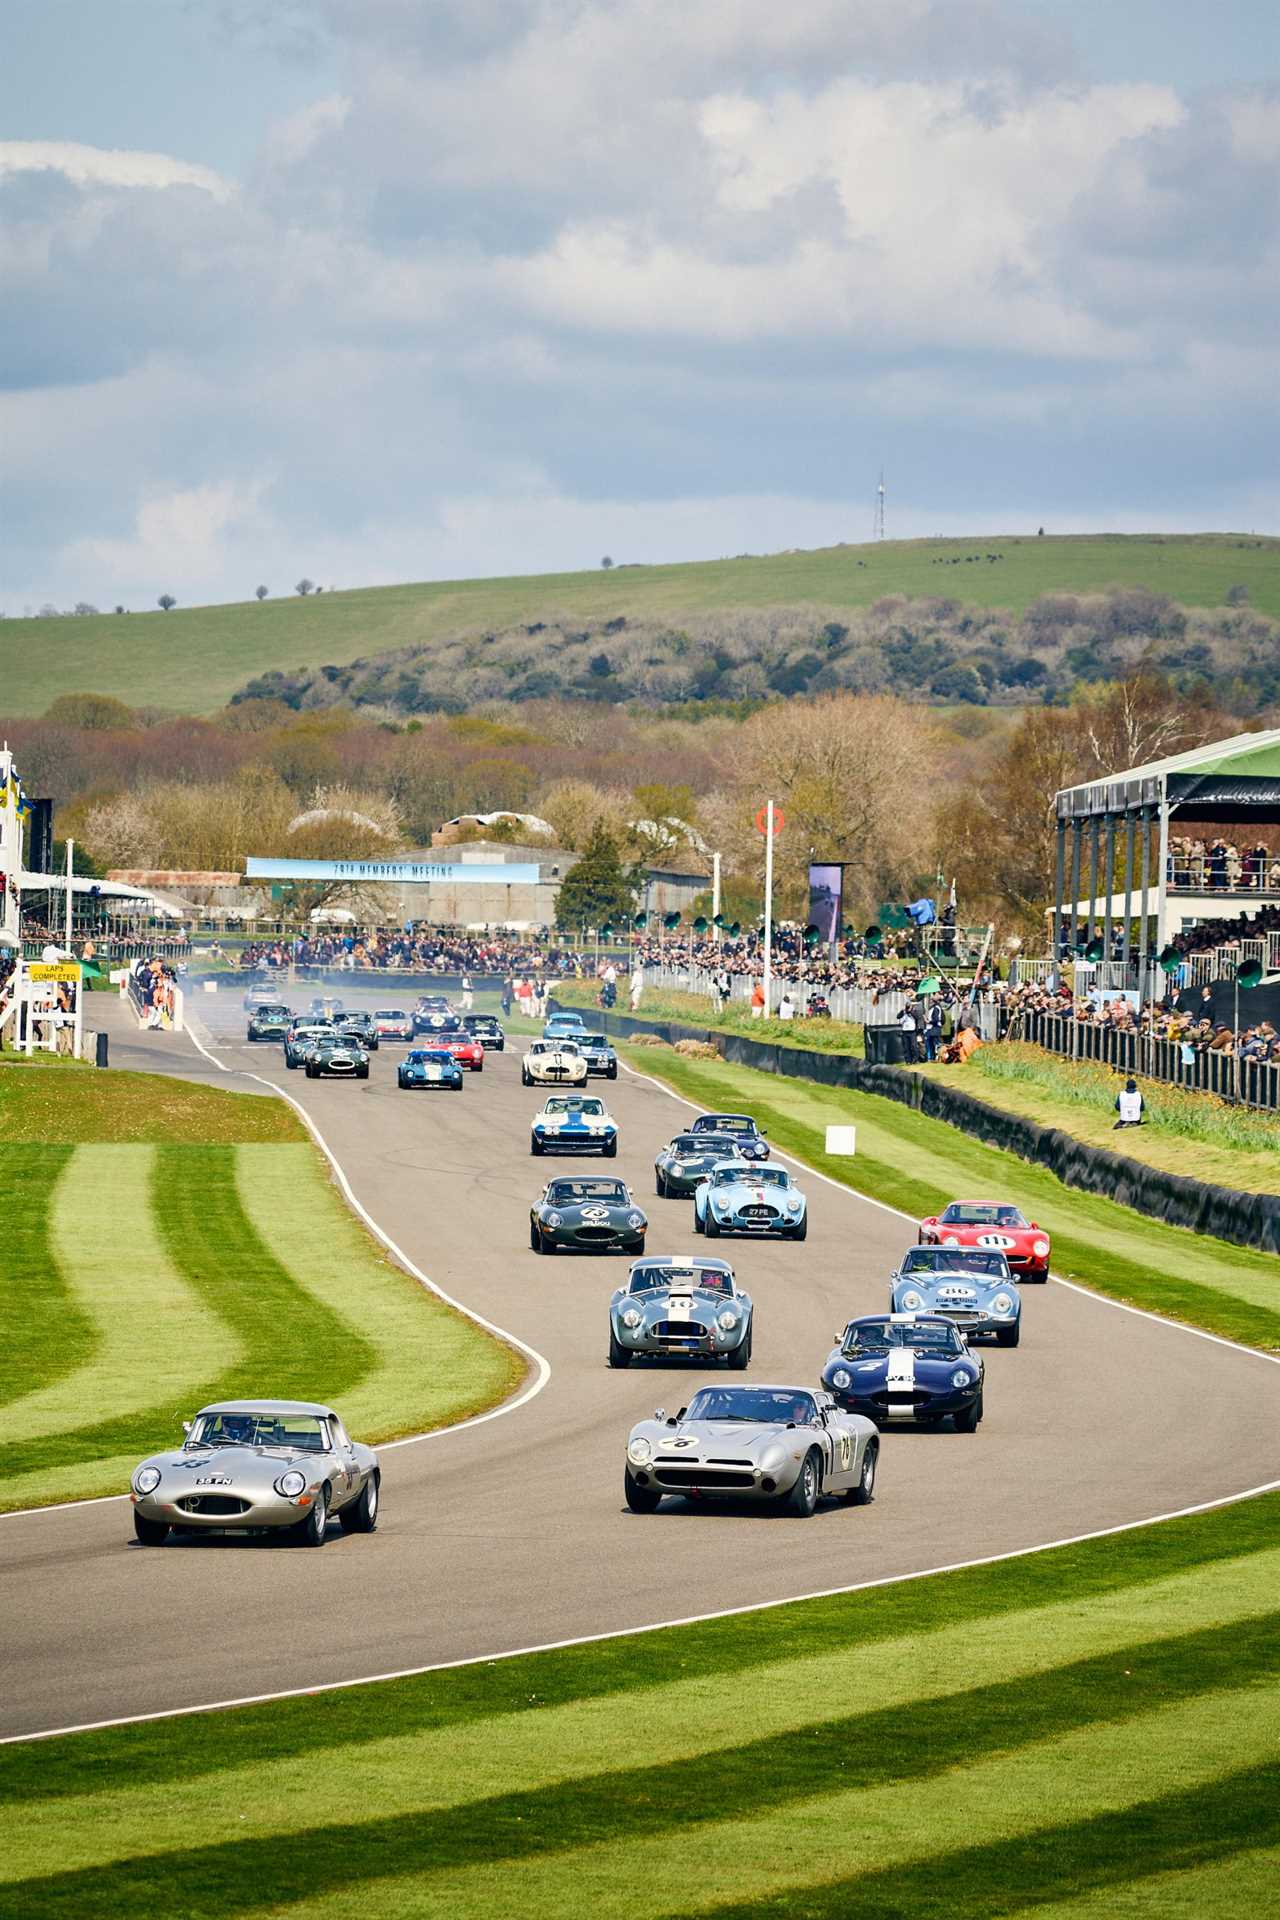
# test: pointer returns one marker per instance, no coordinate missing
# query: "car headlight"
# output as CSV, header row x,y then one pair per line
x,y
554,1220
728,1320
632,1318
635,1219
291,1484
793,1203
960,1378
640,1453
912,1301
842,1378
1002,1304
951,1240
1041,1249
146,1480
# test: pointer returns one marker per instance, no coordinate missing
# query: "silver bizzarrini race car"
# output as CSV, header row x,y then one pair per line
x,y
282,1466
590,1213
677,1304
737,1198
786,1446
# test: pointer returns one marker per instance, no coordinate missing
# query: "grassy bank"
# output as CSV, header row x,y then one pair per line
x,y
695,1009
918,1165
222,647
171,1244
1089,1731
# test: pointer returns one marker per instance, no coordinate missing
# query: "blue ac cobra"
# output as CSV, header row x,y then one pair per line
x,y
739,1198
971,1287
906,1366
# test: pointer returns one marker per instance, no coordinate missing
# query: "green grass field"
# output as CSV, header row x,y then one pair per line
x,y
918,1164
171,1244
1085,1732
214,650
695,1009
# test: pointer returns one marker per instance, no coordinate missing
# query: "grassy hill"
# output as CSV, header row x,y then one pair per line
x,y
211,651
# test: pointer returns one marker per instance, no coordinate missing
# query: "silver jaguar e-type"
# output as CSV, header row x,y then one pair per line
x,y
258,1465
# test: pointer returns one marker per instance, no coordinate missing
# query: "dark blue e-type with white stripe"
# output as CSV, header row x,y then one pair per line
x,y
896,1367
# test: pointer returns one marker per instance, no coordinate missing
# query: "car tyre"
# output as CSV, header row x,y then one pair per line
x,y
802,1500
361,1516
611,1072
291,1064
150,1533
740,1358
311,1072
802,1231
640,1499
535,1238
535,1145
311,1531
611,1148
636,1245
1009,1336
660,1186
865,1492
711,1226
967,1422
619,1356
698,1225
362,1073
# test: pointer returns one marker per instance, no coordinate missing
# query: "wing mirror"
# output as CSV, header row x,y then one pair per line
x,y
186,1426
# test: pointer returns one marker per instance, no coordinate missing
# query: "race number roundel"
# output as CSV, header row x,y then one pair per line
x,y
762,821
1000,1241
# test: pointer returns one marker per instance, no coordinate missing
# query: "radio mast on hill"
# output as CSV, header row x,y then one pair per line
x,y
878,532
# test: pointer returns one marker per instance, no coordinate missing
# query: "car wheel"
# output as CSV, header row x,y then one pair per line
x,y
535,1238
1040,1278
802,1500
311,1072
802,1231
291,1064
401,1082
1009,1336
711,1226
619,1356
150,1533
864,1493
967,1422
311,1531
362,1073
611,1149
636,1245
740,1358
611,1073
535,1145
698,1226
361,1516
525,1081
660,1186
640,1499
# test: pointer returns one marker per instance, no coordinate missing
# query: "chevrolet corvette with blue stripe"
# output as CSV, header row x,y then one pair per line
x,y
574,1123
973,1289
906,1367
738,1198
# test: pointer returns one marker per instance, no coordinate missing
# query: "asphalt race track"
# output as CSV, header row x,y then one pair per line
x,y
512,1533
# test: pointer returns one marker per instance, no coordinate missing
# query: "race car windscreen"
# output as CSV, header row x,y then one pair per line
x,y
274,1011
298,1432
563,1104
390,1013
681,1280
572,1193
753,1176
953,1260
592,1040
969,1213
768,1406
724,1123
706,1145
877,1336
419,1058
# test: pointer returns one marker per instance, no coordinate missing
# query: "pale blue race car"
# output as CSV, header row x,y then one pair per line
x,y
970,1286
737,1197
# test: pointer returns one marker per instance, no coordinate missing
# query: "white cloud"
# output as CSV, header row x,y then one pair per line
x,y
184,537
108,167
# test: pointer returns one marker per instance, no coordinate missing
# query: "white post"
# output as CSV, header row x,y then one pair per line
x,y
10,850
768,909
70,850
715,895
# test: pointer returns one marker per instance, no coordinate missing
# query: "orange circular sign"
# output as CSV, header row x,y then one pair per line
x,y
762,820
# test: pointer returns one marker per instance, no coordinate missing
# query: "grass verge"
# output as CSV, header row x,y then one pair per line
x,y
695,1009
1098,1720
918,1165
146,1279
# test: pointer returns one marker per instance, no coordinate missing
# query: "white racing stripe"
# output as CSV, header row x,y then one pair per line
x,y
902,1370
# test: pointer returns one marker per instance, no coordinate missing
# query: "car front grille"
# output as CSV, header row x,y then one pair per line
x,y
918,1398
758,1213
219,1503
710,1475
679,1330
598,1234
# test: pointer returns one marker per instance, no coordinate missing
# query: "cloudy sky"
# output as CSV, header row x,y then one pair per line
x,y
375,290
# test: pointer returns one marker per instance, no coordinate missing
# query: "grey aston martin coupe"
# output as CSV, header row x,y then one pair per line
x,y
249,1465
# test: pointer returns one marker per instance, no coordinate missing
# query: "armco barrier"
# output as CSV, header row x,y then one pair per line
x,y
1243,1219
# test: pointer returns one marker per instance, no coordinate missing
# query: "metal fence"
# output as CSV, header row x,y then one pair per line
x,y
1251,1083
863,1005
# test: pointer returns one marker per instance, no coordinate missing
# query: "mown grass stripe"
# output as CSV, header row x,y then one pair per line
x,y
183,1235
854,1698
1126,1568
915,1163
1217,1840
431,1364
47,1333
865,1754
153,1334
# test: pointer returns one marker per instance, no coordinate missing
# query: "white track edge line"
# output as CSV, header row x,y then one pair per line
x,y
654,1626
1073,1286
541,1364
